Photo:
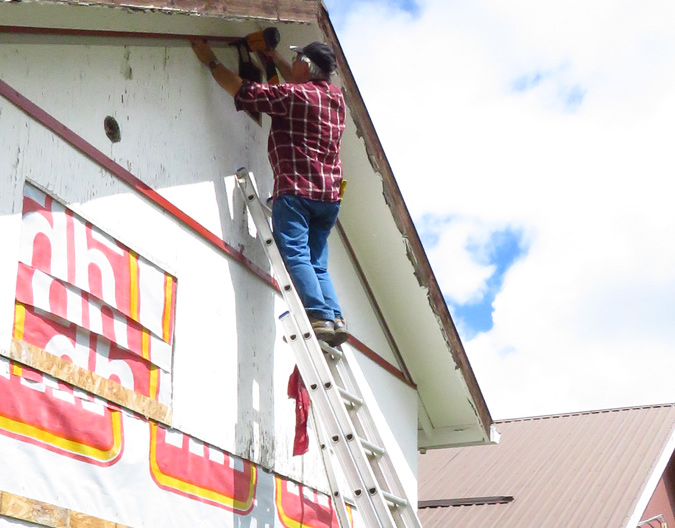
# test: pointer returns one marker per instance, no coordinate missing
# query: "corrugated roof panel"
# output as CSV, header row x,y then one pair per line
x,y
583,469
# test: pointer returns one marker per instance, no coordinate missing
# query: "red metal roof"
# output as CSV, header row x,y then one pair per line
x,y
585,469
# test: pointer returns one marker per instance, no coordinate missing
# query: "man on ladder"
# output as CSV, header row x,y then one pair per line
x,y
308,115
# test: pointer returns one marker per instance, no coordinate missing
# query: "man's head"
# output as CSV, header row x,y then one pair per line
x,y
315,62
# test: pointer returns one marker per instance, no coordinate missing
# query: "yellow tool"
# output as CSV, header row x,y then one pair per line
x,y
264,40
258,42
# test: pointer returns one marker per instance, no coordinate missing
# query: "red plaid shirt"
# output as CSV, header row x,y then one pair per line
x,y
304,143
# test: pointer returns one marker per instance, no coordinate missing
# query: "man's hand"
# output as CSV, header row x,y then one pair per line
x,y
203,51
228,80
282,65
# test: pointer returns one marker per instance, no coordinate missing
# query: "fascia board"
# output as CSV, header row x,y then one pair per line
x,y
415,251
265,10
457,436
650,486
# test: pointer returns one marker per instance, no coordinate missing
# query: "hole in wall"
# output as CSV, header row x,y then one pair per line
x,y
112,129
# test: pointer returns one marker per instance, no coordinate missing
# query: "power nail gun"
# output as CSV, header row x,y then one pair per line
x,y
261,41
258,42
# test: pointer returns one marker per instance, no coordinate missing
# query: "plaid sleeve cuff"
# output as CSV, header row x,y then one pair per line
x,y
240,96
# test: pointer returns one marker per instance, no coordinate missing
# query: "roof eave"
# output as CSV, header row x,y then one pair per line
x,y
264,10
404,222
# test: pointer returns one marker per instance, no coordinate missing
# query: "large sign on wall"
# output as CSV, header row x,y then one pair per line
x,y
84,298
66,447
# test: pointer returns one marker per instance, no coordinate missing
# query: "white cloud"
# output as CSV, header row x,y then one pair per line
x,y
585,320
462,275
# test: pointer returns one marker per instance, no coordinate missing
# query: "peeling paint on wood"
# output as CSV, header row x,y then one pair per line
x,y
44,514
271,10
54,366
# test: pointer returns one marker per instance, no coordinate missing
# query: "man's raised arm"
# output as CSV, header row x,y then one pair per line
x,y
227,79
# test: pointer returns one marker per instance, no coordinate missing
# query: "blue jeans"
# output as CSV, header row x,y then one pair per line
x,y
301,229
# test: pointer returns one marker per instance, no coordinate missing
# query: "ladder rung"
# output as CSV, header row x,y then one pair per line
x,y
330,350
266,207
393,500
349,397
366,466
376,450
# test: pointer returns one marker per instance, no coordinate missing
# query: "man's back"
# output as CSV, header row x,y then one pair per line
x,y
305,135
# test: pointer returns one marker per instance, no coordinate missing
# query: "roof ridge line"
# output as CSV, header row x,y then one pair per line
x,y
580,413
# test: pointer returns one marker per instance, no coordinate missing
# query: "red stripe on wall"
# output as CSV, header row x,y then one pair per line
x,y
127,177
372,355
385,327
104,161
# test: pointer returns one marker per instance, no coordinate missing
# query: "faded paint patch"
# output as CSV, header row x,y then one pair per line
x,y
126,70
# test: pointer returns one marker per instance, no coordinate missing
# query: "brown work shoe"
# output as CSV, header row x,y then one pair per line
x,y
341,334
323,329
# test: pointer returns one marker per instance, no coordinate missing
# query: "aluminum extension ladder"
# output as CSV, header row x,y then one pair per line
x,y
345,420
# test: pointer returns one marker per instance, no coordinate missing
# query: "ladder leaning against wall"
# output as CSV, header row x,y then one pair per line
x,y
345,424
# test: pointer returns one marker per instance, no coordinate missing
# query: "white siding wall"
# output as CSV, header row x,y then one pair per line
x,y
182,136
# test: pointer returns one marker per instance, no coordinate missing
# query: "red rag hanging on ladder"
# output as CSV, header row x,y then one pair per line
x,y
298,391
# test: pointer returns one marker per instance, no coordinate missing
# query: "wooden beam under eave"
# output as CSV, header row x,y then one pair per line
x,y
269,10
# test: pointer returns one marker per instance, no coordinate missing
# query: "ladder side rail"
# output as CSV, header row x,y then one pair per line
x,y
367,431
288,290
289,293
320,404
364,466
363,421
337,498
338,442
357,464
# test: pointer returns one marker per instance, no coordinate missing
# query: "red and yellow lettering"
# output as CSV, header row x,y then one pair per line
x,y
301,507
185,466
88,299
62,245
34,408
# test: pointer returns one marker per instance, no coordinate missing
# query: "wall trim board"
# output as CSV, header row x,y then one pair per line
x,y
84,379
30,30
300,11
406,376
45,514
372,355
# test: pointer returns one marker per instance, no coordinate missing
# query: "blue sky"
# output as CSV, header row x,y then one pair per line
x,y
504,248
569,96
532,142
340,9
